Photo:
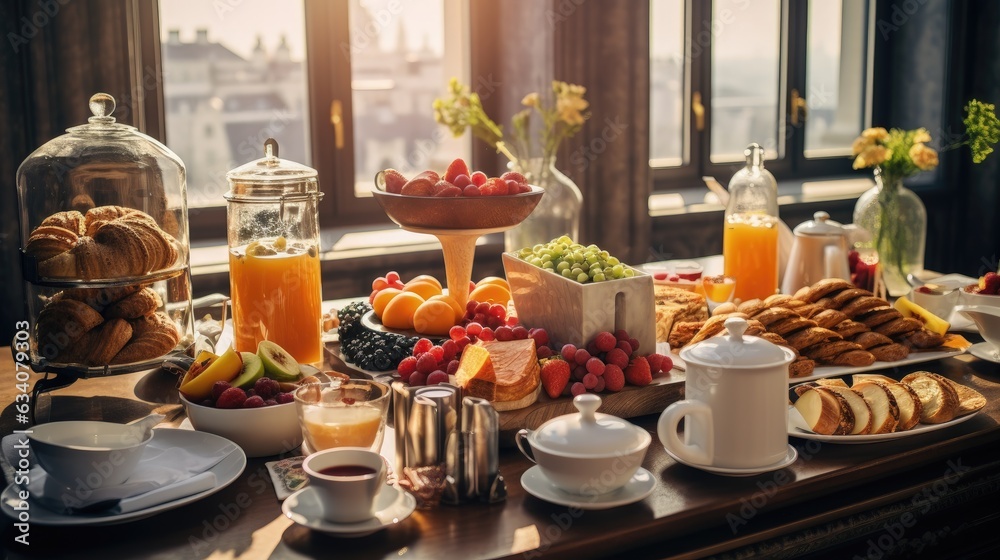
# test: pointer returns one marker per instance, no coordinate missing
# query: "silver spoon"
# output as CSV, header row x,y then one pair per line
x,y
142,427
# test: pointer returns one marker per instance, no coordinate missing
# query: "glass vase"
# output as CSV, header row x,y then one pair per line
x,y
897,220
558,212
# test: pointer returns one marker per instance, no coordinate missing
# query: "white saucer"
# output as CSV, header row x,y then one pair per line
x,y
985,351
790,458
392,506
637,488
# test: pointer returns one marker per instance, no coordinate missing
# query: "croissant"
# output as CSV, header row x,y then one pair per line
x,y
152,337
141,303
116,242
62,322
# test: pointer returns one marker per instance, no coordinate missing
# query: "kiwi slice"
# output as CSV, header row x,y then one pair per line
x,y
278,363
253,369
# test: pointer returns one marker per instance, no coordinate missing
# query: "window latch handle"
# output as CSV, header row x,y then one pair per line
x,y
799,108
337,120
699,111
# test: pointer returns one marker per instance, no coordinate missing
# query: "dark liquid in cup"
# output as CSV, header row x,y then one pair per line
x,y
347,470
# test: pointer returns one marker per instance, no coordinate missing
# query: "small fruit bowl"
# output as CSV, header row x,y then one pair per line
x,y
264,431
100,453
429,213
971,295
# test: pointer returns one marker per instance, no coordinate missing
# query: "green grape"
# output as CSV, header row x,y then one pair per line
x,y
563,265
629,273
535,261
547,264
599,277
613,261
582,278
568,274
617,270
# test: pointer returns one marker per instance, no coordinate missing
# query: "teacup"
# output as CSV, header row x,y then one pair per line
x,y
736,408
347,480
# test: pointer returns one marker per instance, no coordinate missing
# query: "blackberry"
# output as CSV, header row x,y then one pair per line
x,y
370,350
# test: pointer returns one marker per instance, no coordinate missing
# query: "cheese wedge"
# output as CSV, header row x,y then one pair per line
x,y
475,374
516,366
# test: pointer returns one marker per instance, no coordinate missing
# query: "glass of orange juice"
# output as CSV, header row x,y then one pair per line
x,y
750,254
718,290
349,413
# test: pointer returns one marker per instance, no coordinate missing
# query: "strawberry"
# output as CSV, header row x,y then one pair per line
x,y
555,376
456,168
394,181
431,176
448,190
614,378
494,187
637,372
418,186
514,176
991,283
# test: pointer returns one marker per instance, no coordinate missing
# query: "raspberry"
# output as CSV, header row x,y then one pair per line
x,y
418,379
219,387
520,333
284,398
637,372
540,336
270,402
437,352
504,333
614,378
455,168
514,176
233,397
253,402
590,381
266,388
426,363
991,284
654,362
487,334
394,181
568,352
578,389
449,348
634,343
471,190
581,356
452,367
621,334
618,357
595,366
406,367
456,332
544,352
422,345
436,377
624,346
555,376
605,341
499,311
600,385
473,329
663,363
478,178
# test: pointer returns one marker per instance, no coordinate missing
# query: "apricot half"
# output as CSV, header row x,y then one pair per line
x,y
434,317
398,313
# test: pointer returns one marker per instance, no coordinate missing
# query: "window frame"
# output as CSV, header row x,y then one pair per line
x,y
791,164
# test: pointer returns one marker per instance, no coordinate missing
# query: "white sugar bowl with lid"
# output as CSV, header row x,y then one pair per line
x,y
736,403
587,453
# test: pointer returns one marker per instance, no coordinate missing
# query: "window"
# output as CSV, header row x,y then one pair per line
x,y
345,86
791,75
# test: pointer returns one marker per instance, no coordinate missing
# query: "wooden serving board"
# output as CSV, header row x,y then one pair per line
x,y
630,402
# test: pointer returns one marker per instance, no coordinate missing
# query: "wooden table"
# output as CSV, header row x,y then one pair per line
x,y
840,499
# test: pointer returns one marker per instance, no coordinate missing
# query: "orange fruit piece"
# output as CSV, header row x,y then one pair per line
x,y
398,313
494,280
459,310
492,293
423,288
434,317
426,278
382,299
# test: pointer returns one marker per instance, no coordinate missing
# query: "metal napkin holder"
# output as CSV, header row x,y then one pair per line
x,y
435,425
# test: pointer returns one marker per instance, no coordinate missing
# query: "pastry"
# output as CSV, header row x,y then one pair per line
x,y
860,305
792,324
890,352
843,297
683,332
99,298
63,322
515,365
923,339
879,316
809,336
849,328
674,305
827,351
801,367
46,242
152,337
869,339
751,307
829,318
72,220
475,374
898,327
774,315
109,339
713,326
139,304
854,358
822,288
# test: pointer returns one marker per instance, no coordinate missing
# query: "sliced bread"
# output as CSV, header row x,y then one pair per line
x,y
939,400
885,411
859,408
969,399
821,410
909,405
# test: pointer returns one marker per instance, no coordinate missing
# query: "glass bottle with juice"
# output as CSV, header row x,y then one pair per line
x,y
750,237
274,265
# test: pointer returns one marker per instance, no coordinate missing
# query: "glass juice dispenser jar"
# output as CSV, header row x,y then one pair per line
x,y
104,249
750,238
274,266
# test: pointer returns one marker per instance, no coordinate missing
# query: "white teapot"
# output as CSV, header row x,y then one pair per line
x,y
820,251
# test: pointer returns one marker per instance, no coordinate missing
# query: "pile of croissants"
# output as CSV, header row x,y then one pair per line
x,y
108,242
831,322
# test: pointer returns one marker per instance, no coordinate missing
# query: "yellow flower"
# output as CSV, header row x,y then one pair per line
x,y
920,136
872,156
532,100
875,134
923,157
570,103
860,143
